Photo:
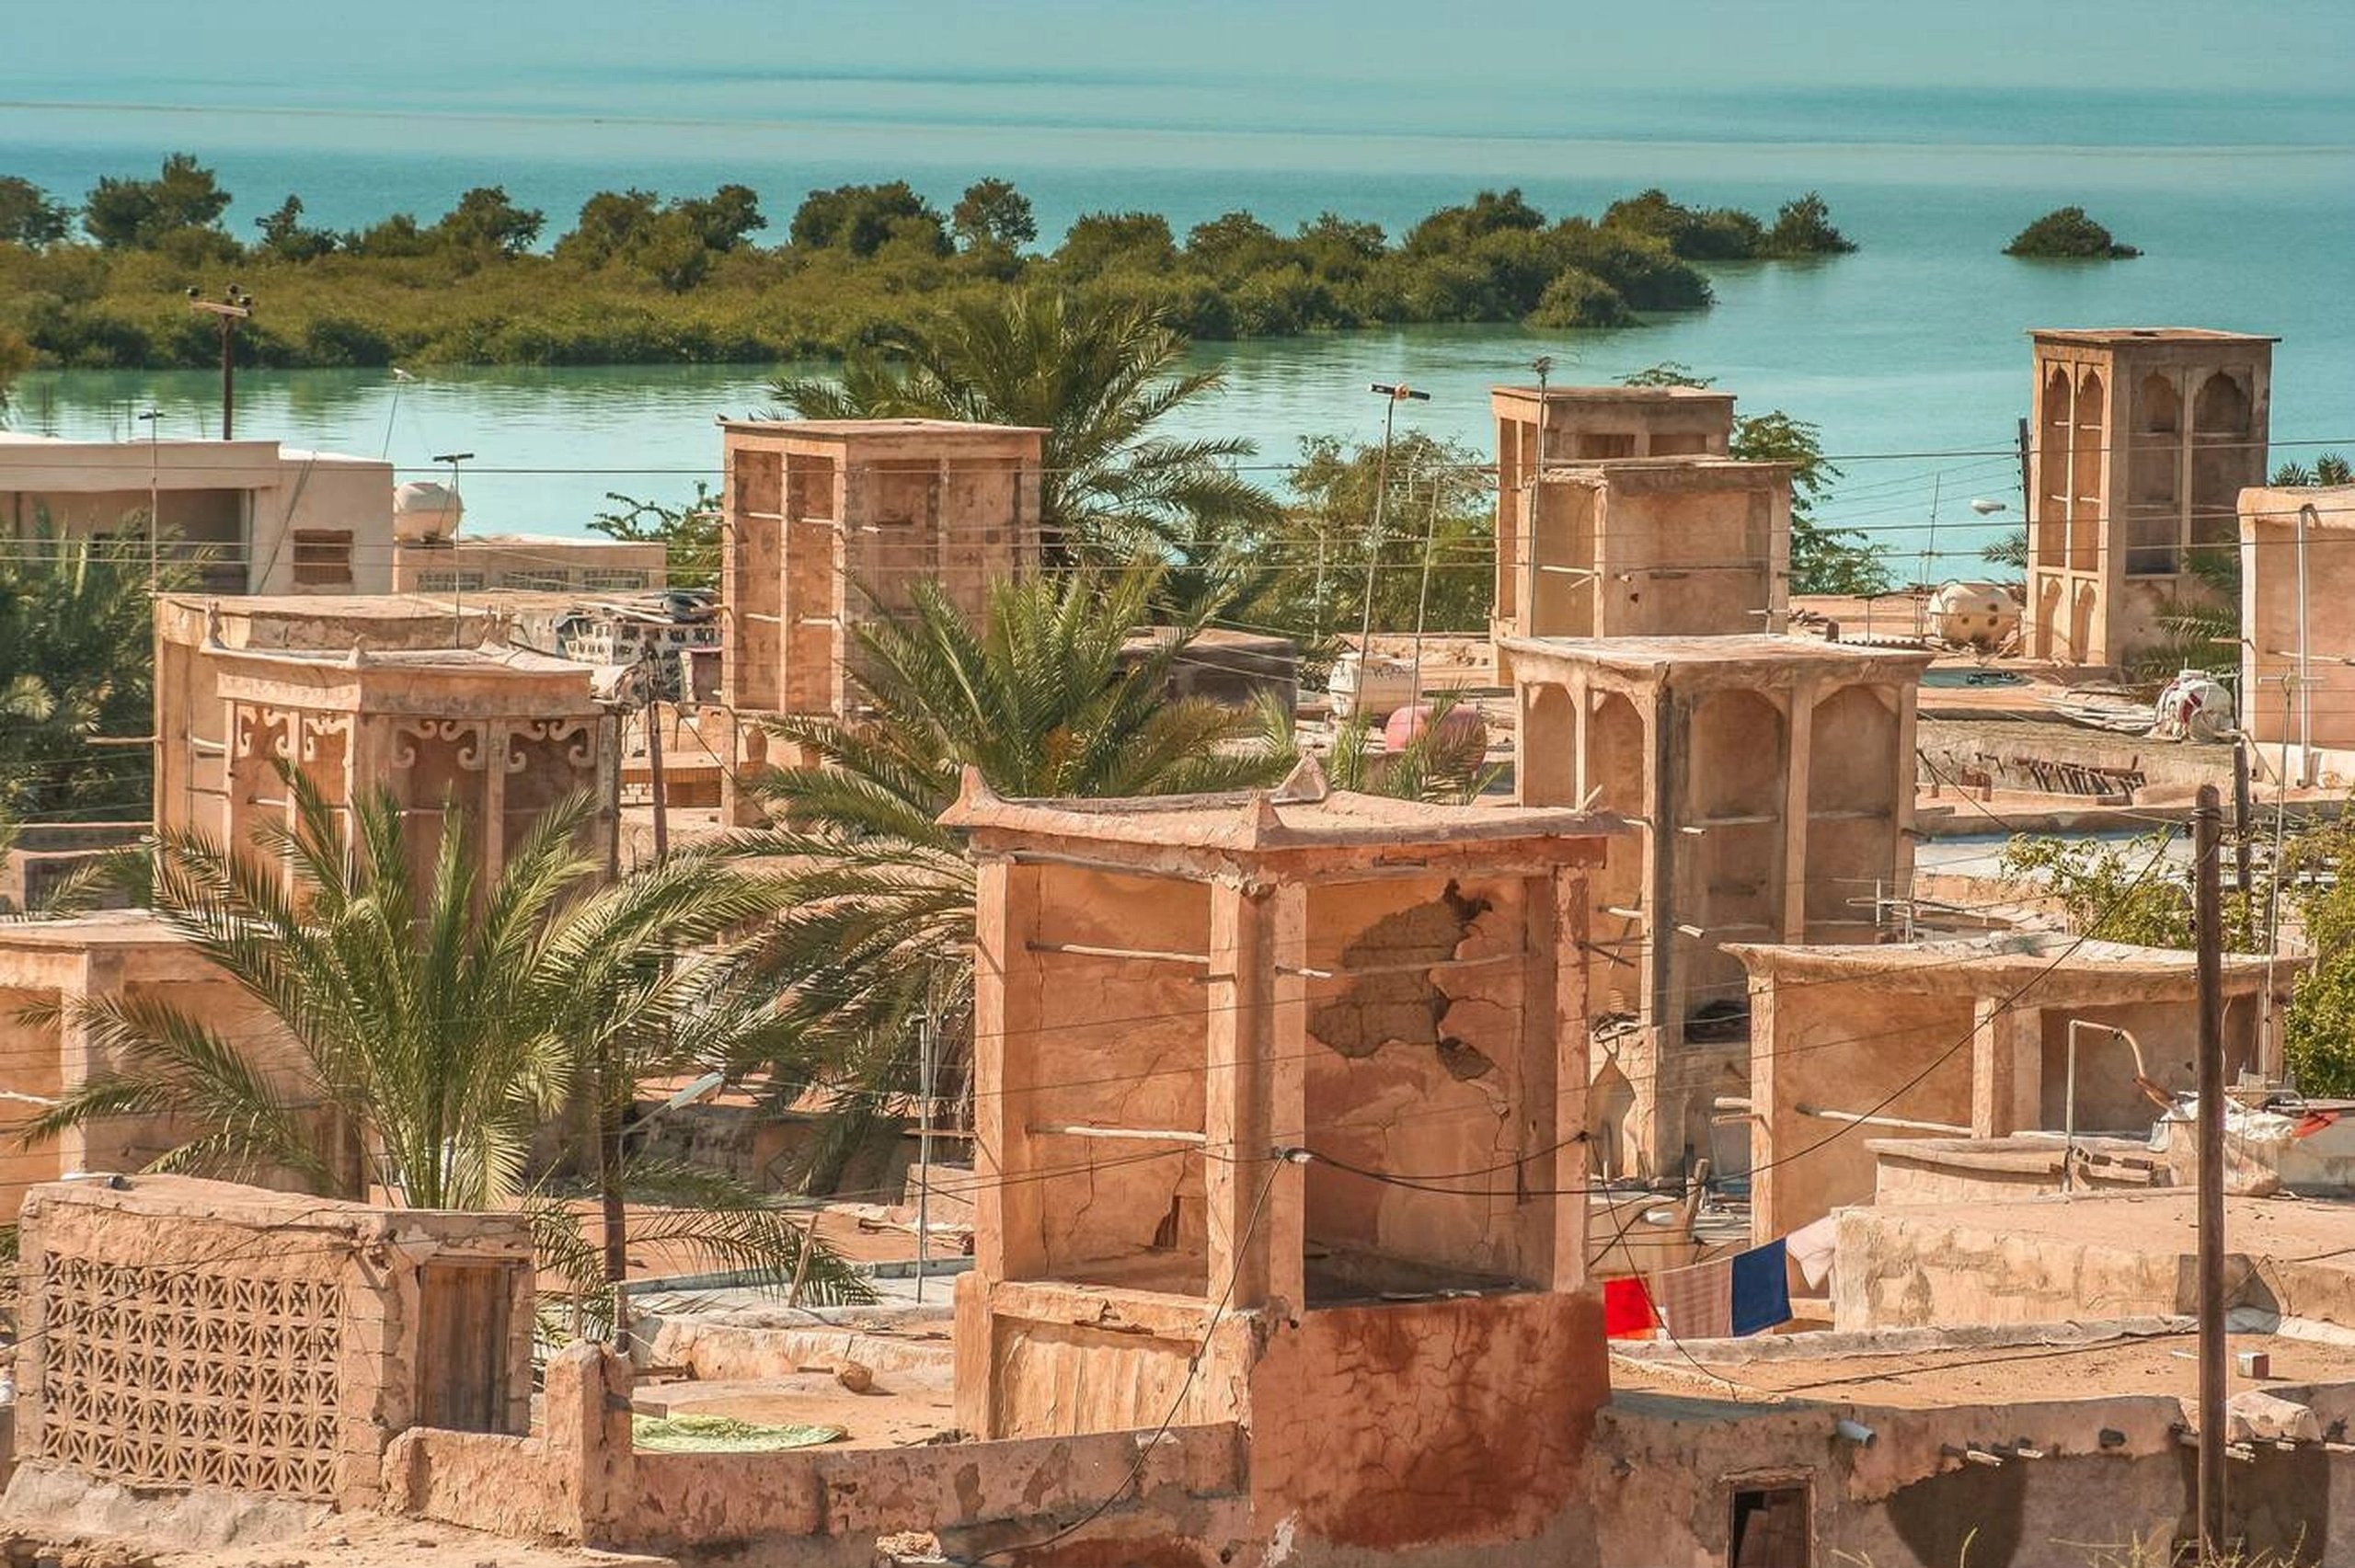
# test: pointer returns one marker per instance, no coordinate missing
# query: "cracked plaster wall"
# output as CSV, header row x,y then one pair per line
x,y
1121,1043
1416,1072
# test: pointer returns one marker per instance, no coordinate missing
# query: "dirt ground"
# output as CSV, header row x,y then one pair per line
x,y
341,1542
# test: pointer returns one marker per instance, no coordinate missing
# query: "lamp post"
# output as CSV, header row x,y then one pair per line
x,y
234,306
457,588
153,421
1392,395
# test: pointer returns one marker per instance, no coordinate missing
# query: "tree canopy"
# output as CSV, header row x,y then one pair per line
x,y
647,277
2067,234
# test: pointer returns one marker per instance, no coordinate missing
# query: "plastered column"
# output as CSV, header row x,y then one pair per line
x,y
1555,1048
2007,1068
1008,1240
592,1471
1284,1224
1798,759
80,1059
1237,1099
1765,1103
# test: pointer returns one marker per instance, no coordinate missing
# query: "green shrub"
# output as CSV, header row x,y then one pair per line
x,y
2067,234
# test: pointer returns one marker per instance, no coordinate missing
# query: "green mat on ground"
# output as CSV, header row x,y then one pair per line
x,y
723,1434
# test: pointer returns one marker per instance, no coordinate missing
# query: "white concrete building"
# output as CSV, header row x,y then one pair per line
x,y
259,517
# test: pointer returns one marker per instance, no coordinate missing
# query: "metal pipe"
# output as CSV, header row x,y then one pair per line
x,y
2305,695
1899,1123
2069,1094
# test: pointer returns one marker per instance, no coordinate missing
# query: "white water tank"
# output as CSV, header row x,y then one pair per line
x,y
1973,614
1370,688
423,510
2195,707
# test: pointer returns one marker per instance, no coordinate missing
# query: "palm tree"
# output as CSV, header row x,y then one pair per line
x,y
1048,695
1441,764
437,1023
2330,468
76,636
1100,380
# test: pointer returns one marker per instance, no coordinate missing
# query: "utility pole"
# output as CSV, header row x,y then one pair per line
x,y
234,306
927,1055
2028,502
2207,848
653,712
2241,808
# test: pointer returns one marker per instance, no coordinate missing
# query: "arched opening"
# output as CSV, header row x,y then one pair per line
x,y
1729,875
1610,1109
2052,468
2085,499
1613,775
2229,452
1548,747
2155,463
1852,812
2081,623
2222,406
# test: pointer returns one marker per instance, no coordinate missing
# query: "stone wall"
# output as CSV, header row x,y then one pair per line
x,y
179,1333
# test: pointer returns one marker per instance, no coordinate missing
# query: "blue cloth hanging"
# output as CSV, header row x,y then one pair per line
x,y
1762,1289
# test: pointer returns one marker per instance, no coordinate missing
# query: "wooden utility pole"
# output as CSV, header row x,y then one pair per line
x,y
2028,497
2207,845
2241,808
232,307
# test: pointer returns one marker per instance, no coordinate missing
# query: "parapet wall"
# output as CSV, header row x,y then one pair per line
x,y
1178,1496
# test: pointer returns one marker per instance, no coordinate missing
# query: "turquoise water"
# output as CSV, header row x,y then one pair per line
x,y
2231,161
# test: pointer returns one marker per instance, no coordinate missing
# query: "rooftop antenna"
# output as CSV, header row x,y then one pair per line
x,y
401,378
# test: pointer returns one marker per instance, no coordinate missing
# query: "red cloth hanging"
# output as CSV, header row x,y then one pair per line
x,y
1627,1310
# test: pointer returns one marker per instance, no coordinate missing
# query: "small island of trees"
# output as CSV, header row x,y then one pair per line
x,y
2067,234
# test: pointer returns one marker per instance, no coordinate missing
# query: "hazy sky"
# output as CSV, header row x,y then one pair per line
x,y
291,47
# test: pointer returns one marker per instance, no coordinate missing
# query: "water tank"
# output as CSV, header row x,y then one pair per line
x,y
1370,688
1974,615
2195,707
424,510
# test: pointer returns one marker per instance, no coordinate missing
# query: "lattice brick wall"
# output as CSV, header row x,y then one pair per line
x,y
179,1376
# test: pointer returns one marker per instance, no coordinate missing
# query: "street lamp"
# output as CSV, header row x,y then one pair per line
x,y
153,421
1392,395
234,306
457,591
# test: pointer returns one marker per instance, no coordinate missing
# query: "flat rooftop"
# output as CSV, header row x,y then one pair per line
x,y
1299,815
102,928
1628,395
854,430
1930,1368
2003,960
433,660
1640,655
1684,471
2303,1233
2111,337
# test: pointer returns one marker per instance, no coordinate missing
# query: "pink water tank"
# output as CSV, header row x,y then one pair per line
x,y
1460,728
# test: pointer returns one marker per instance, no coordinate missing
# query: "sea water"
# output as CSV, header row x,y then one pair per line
x,y
1909,354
